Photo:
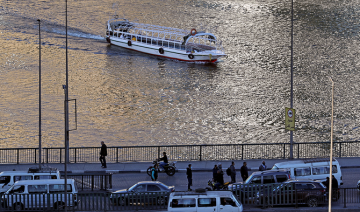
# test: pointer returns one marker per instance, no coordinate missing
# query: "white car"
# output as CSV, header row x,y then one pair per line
x,y
204,201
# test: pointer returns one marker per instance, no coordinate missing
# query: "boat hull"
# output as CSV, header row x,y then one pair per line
x,y
170,53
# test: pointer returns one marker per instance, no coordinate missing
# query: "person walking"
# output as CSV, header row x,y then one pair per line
x,y
219,177
215,169
327,183
154,173
103,154
244,172
262,167
189,176
233,172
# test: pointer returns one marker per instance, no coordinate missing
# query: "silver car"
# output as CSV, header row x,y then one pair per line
x,y
153,192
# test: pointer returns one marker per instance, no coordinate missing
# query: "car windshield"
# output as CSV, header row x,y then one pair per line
x,y
248,180
275,167
322,185
132,187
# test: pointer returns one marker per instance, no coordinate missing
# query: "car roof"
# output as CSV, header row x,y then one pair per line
x,y
270,172
43,182
185,194
26,172
305,163
302,181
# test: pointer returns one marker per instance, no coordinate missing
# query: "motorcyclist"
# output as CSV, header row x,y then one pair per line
x,y
165,159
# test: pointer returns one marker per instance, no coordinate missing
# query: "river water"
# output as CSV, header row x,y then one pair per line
x,y
130,98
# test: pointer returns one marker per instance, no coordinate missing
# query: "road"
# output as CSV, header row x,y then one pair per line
x,y
200,179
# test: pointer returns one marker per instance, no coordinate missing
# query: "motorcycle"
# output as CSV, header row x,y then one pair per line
x,y
169,168
213,188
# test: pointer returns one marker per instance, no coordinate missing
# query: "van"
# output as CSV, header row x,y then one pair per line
x,y
314,169
31,194
198,201
8,178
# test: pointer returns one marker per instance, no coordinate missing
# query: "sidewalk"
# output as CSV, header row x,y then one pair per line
x,y
136,167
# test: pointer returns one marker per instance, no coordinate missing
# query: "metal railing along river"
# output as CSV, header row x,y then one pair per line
x,y
183,152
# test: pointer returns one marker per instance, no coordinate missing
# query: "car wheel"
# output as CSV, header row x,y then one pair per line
x,y
312,202
161,201
122,201
18,207
170,171
149,171
59,205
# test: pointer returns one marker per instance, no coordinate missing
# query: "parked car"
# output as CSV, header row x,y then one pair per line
x,y
136,193
314,169
8,178
34,194
203,200
255,182
291,192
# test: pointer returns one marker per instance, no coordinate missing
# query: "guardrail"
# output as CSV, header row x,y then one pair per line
x,y
183,152
159,200
88,181
285,195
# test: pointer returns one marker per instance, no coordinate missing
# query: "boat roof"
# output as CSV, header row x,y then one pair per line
x,y
124,23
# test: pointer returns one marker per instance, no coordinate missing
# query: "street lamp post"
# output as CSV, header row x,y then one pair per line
x,y
39,96
66,108
291,78
331,143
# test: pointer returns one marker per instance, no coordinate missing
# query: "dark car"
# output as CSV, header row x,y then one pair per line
x,y
291,192
136,193
255,182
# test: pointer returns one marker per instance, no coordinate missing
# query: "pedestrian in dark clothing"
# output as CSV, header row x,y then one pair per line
x,y
233,172
220,177
215,169
262,167
334,183
154,173
244,172
103,154
327,183
189,176
165,159
335,186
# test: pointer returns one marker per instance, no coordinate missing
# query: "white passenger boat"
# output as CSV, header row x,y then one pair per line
x,y
173,43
